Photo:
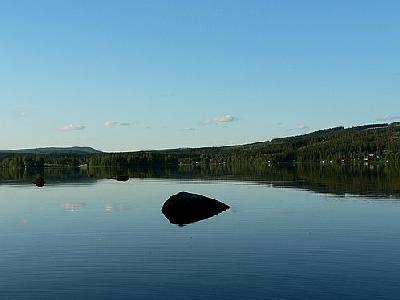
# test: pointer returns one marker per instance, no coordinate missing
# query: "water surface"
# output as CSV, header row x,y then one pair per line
x,y
103,239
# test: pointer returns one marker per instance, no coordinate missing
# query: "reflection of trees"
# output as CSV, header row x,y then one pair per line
x,y
51,175
334,179
367,180
378,180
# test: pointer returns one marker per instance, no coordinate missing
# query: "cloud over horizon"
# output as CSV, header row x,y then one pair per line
x,y
388,118
220,120
71,127
301,127
110,124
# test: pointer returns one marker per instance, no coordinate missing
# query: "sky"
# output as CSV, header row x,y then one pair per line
x,y
133,75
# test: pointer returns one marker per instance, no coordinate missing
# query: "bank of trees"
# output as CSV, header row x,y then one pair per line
x,y
37,161
377,142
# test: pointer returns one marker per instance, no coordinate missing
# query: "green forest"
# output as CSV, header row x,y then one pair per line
x,y
378,143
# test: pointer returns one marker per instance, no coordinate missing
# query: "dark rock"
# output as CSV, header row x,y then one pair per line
x,y
185,208
39,181
122,178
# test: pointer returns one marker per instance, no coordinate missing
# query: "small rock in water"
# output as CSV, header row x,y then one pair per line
x,y
122,178
185,208
39,181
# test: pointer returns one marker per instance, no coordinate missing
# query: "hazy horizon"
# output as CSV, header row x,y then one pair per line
x,y
182,147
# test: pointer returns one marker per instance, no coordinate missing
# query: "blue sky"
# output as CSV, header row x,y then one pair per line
x,y
130,75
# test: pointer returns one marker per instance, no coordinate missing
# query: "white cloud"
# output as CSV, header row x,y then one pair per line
x,y
302,127
388,118
110,124
220,120
71,127
22,112
225,119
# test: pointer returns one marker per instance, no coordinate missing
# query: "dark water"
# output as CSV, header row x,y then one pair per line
x,y
97,238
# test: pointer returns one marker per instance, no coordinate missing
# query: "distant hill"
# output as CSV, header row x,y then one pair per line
x,y
55,150
316,138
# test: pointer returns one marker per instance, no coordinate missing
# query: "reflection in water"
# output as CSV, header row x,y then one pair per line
x,y
186,208
117,207
73,206
370,180
109,208
277,244
51,176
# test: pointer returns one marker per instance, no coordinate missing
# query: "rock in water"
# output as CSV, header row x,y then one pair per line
x,y
122,178
185,208
39,181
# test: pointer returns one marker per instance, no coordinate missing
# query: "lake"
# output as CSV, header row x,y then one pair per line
x,y
286,235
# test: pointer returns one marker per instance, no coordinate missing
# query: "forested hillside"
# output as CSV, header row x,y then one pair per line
x,y
376,142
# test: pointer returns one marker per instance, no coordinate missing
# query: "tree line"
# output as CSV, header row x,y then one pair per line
x,y
375,142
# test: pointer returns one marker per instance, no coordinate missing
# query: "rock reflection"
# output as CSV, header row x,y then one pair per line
x,y
186,208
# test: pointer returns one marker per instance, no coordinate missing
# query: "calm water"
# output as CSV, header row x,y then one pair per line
x,y
104,239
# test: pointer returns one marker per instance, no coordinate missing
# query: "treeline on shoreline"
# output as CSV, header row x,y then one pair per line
x,y
378,143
